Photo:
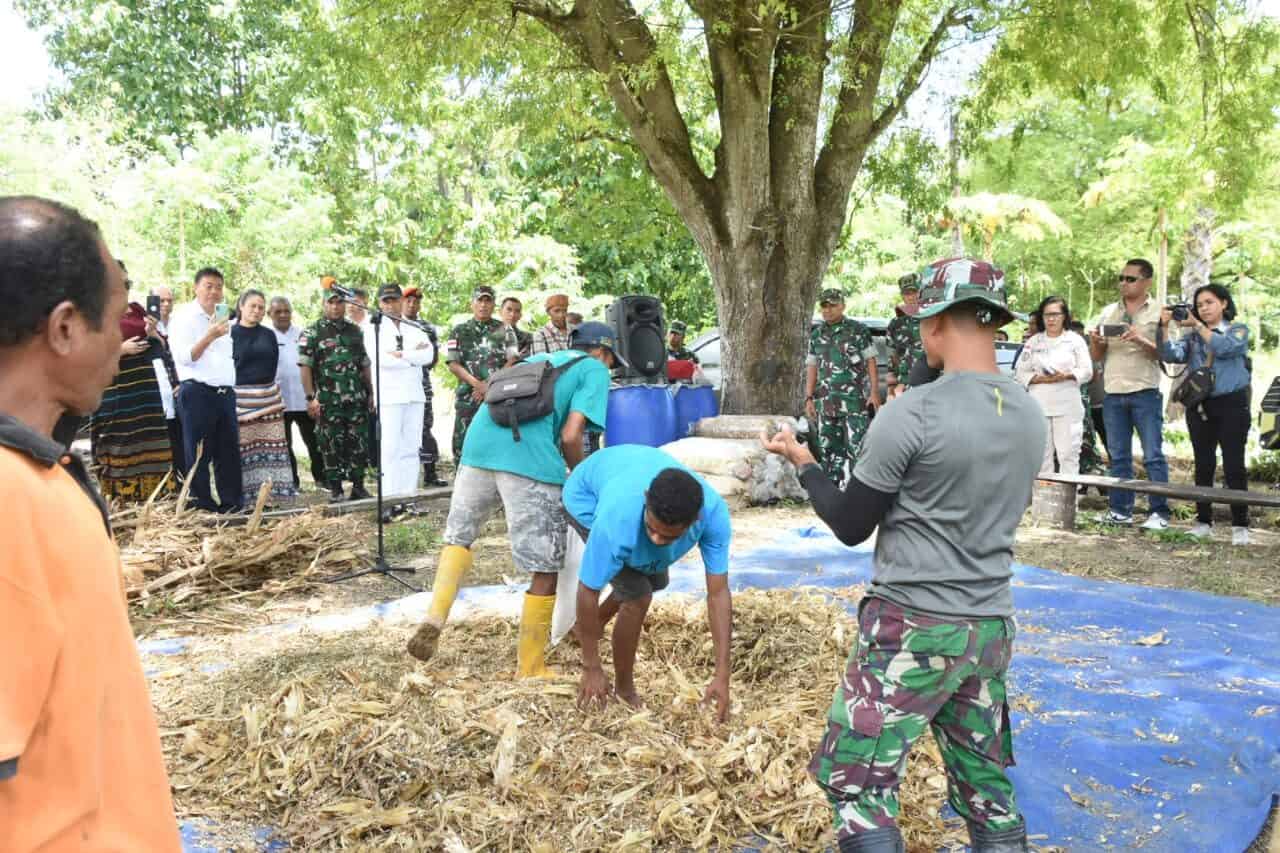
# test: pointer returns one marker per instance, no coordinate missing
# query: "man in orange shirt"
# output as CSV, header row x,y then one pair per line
x,y
80,761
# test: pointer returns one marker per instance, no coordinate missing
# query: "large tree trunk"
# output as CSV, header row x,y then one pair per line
x,y
1197,266
769,216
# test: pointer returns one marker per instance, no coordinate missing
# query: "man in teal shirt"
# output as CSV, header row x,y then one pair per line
x,y
639,510
526,477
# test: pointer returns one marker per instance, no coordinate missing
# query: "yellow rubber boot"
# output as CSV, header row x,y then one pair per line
x,y
455,562
535,631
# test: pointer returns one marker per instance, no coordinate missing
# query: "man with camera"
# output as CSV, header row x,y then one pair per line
x,y
1125,343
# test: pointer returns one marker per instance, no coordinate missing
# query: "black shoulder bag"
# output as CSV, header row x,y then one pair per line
x,y
524,392
1197,385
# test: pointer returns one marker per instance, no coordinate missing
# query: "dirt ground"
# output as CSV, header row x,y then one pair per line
x,y
1168,559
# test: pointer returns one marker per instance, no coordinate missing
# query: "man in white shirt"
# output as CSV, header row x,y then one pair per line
x,y
403,352
289,378
206,403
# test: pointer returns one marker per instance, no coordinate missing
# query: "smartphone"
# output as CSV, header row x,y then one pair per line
x,y
1113,330
221,312
153,306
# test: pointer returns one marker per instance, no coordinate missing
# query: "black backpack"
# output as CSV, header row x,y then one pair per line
x,y
524,392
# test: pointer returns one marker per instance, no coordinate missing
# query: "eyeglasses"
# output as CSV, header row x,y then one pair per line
x,y
1129,279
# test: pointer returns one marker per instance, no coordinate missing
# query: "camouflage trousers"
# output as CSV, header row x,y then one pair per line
x,y
840,429
463,412
910,672
536,520
343,437
1091,461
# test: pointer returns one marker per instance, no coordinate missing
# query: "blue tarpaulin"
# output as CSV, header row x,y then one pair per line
x,y
1144,718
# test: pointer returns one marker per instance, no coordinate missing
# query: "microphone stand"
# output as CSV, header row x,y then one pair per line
x,y
380,565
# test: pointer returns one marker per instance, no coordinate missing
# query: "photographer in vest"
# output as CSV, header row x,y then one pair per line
x,y
525,472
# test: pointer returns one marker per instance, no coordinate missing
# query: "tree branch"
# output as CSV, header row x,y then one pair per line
x,y
614,40
915,74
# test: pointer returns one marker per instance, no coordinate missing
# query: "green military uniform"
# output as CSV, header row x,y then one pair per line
x,y
680,353
334,350
904,333
840,351
481,348
1091,461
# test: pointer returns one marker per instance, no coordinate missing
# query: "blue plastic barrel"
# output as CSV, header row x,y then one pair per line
x,y
640,414
693,403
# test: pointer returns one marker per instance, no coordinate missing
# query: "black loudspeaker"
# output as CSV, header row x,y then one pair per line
x,y
1269,418
638,322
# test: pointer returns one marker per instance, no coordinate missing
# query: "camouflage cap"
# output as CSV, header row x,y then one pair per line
x,y
677,327
910,281
954,280
482,291
831,296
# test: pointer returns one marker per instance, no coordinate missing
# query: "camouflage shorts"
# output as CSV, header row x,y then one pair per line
x,y
535,517
910,672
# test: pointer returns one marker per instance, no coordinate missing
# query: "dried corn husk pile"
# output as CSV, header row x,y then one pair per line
x,y
347,743
180,555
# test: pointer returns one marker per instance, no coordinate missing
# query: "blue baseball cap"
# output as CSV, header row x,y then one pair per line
x,y
596,334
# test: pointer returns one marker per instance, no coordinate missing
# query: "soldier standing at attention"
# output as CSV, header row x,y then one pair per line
x,y
840,361
429,455
475,349
339,389
947,475
676,350
904,329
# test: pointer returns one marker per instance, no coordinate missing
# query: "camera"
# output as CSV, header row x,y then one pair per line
x,y
1180,310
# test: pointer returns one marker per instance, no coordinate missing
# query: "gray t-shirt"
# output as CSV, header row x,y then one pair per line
x,y
961,453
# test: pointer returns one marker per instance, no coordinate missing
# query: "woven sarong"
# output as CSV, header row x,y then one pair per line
x,y
264,451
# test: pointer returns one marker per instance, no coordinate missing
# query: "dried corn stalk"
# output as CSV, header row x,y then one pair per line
x,y
347,743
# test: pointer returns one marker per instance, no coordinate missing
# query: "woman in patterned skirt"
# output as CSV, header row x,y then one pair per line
x,y
129,434
264,451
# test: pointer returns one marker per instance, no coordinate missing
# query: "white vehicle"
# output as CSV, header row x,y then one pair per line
x,y
707,348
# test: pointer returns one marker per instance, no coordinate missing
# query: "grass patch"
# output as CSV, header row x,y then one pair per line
x,y
1173,537
411,538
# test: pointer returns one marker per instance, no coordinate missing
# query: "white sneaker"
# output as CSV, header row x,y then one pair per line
x,y
1239,536
1114,517
1201,531
1155,522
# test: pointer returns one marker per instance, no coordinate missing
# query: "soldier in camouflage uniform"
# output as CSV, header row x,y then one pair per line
x,y
474,350
945,479
676,350
429,454
337,381
904,329
840,365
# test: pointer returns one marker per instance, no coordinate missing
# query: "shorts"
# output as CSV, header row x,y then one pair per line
x,y
535,516
629,584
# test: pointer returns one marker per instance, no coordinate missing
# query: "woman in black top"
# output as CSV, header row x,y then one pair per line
x,y
264,451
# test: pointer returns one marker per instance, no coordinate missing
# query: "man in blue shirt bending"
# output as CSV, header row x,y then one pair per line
x,y
639,511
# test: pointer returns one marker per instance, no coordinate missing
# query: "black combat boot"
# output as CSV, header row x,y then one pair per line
x,y
335,493
983,839
886,839
358,493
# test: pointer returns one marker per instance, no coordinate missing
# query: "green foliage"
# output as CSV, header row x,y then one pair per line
x,y
410,538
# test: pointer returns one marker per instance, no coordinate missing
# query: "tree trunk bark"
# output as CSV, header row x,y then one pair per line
x,y
765,304
1197,266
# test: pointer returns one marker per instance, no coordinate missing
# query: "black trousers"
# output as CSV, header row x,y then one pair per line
x,y
1223,424
429,452
307,427
208,415
176,447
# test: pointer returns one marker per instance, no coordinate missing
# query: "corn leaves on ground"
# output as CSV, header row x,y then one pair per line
x,y
347,743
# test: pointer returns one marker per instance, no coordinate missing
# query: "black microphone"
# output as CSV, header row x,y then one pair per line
x,y
344,292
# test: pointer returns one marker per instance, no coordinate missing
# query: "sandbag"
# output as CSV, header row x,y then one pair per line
x,y
718,457
565,613
740,426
